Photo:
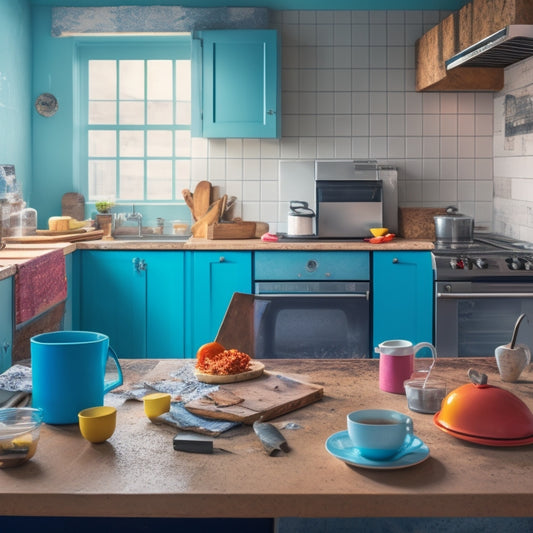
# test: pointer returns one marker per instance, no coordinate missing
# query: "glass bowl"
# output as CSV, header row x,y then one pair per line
x,y
19,434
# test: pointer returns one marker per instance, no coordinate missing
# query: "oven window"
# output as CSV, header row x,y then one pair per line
x,y
313,327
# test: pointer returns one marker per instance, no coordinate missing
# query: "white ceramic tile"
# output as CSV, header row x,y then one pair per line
x,y
412,33
378,125
378,101
395,80
324,57
269,169
448,125
412,191
325,80
290,126
413,125
343,33
290,80
361,103
308,79
431,125
484,147
410,77
308,57
326,103
378,81
361,17
396,125
198,147
290,56
343,79
360,80
378,35
448,147
430,191
448,169
216,169
484,190
378,147
269,148
466,124
234,148
325,17
396,57
378,57
413,147
308,103
430,146
484,169
484,102
430,169
448,103
306,17
396,147
448,191
251,148
343,103
251,191
291,103
251,169
466,191
198,169
396,104
413,169
343,147
289,147
376,17
324,34
413,103
325,125
431,103
395,34
360,57
251,210
466,102
360,35
307,147
466,169
360,125
343,125
307,35
466,146
325,147
234,169
484,124
360,148
269,191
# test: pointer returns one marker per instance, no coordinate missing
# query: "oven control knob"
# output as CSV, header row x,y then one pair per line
x,y
516,264
528,265
457,263
482,263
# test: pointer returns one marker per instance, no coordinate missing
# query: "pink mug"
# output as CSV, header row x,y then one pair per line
x,y
396,363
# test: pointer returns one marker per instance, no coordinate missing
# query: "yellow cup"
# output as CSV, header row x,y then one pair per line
x,y
156,404
97,424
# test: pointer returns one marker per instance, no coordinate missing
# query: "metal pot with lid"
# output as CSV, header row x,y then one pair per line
x,y
453,227
300,221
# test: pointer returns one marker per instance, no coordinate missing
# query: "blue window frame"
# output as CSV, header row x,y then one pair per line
x,y
135,118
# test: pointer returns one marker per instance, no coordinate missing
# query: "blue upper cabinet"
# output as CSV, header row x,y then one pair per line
x,y
240,83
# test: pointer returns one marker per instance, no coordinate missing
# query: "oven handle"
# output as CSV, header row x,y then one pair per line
x,y
462,295
365,295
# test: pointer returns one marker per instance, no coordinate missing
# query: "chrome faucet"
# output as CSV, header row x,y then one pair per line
x,y
135,216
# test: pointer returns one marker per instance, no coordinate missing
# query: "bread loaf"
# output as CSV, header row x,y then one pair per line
x,y
58,223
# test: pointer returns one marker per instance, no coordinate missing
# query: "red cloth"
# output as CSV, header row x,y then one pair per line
x,y
40,283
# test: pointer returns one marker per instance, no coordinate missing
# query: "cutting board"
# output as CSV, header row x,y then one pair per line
x,y
201,199
268,396
73,205
86,236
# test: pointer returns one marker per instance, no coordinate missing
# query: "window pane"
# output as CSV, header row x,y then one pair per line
x,y
183,113
159,180
102,80
159,112
102,143
131,113
102,112
159,144
131,85
132,180
183,143
132,143
159,80
102,179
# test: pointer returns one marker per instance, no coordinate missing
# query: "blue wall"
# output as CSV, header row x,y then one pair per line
x,y
15,93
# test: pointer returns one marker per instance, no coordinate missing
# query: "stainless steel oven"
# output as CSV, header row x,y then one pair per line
x,y
480,290
312,305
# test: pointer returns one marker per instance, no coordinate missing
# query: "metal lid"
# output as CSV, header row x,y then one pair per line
x,y
300,209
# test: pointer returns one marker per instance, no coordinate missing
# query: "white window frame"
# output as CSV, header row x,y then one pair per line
x,y
175,48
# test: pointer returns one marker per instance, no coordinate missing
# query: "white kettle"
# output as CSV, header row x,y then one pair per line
x,y
301,218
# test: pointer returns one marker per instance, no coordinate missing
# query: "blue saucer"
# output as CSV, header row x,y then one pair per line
x,y
340,446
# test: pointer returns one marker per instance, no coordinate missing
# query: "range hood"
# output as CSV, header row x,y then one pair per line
x,y
501,49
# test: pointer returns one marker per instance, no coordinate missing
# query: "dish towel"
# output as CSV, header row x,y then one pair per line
x,y
40,283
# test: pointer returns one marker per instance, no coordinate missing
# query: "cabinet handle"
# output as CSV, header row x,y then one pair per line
x,y
138,264
5,346
221,259
271,112
395,260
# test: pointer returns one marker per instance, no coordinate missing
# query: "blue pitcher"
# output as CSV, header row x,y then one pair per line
x,y
68,373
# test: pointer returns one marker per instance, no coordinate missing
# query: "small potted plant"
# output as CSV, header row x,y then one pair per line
x,y
104,219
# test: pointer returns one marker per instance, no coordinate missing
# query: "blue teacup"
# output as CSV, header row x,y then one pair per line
x,y
380,434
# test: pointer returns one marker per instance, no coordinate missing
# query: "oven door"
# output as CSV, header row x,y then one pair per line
x,y
320,320
473,318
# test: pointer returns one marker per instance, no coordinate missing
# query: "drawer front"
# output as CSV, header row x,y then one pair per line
x,y
311,265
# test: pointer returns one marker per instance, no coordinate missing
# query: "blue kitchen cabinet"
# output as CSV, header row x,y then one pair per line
x,y
213,278
236,73
402,286
137,299
6,324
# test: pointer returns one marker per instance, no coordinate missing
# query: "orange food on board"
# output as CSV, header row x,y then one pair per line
x,y
208,350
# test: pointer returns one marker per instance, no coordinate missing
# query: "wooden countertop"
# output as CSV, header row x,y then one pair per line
x,y
137,472
254,244
15,254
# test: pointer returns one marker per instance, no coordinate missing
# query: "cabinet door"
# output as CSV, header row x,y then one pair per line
x,y
240,93
215,277
6,324
165,320
113,299
402,286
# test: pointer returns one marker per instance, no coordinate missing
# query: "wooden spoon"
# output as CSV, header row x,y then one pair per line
x,y
201,199
515,330
187,195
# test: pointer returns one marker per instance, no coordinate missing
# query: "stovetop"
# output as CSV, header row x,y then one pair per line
x,y
489,255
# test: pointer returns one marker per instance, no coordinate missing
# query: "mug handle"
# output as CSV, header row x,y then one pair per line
x,y
113,384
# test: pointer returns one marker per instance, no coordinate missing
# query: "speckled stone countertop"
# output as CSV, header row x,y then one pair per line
x,y
254,244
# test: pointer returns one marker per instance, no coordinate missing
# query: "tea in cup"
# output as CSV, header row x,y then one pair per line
x,y
380,434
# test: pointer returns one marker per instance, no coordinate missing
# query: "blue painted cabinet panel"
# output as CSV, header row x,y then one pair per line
x,y
136,298
6,323
402,296
240,83
214,277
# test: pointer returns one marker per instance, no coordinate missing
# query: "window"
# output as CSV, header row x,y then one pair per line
x,y
135,119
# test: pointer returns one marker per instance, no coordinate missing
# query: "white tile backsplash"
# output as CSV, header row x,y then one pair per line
x,y
347,83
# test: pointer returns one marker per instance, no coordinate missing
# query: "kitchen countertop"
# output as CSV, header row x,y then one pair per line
x,y
15,254
195,243
137,472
